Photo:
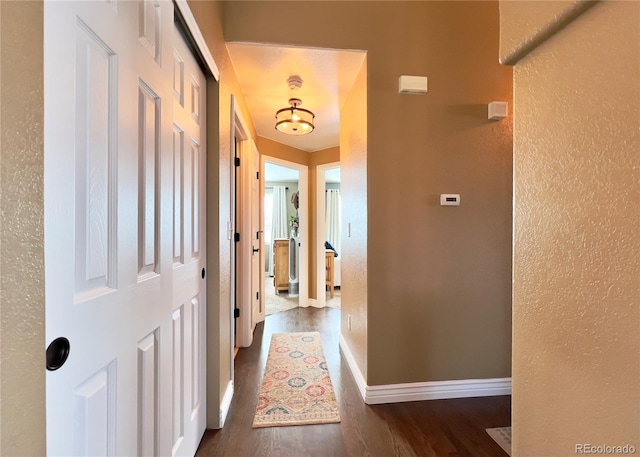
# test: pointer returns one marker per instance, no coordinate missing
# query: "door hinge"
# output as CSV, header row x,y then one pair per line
x,y
236,313
236,160
257,175
257,295
236,237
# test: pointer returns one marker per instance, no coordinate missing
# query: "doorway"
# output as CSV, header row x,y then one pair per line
x,y
281,268
248,309
329,240
285,247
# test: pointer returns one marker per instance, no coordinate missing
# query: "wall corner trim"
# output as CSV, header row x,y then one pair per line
x,y
225,405
194,29
541,36
418,391
354,368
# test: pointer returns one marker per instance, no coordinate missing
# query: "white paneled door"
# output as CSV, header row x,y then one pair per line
x,y
188,152
257,306
124,231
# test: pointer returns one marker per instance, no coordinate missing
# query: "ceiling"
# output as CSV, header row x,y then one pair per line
x,y
328,76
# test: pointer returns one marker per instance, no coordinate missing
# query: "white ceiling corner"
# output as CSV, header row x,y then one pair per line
x,y
328,76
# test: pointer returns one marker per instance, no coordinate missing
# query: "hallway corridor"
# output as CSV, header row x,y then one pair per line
x,y
414,429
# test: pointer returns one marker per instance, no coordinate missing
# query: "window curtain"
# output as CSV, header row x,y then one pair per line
x,y
332,219
280,227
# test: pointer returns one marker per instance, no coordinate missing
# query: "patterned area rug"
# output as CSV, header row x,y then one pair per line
x,y
276,303
296,387
502,436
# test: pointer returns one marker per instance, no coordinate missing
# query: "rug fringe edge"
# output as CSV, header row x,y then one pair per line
x,y
294,423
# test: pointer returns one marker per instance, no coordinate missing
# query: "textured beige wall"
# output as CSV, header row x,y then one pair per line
x,y
576,302
439,279
22,380
524,25
219,170
353,191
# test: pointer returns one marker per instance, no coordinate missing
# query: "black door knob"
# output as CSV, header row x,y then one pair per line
x,y
57,353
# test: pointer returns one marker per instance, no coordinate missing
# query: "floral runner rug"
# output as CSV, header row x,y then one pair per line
x,y
296,387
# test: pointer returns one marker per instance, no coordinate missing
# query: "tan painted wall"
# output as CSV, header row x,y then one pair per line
x,y
281,151
324,156
22,379
219,152
439,279
353,191
576,298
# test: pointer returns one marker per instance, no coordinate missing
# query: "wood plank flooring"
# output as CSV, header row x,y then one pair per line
x,y
433,428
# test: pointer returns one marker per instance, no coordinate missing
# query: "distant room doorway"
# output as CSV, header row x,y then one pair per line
x,y
282,238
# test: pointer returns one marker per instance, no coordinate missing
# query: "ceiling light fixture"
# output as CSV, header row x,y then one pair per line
x,y
294,120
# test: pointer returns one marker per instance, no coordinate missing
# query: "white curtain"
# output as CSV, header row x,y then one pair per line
x,y
279,227
332,219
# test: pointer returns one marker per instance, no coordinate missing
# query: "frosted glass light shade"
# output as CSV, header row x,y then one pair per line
x,y
294,121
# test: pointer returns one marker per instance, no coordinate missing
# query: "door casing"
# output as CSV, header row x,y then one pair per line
x,y
321,232
303,214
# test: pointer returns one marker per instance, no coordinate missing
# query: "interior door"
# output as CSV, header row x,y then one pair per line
x,y
189,294
110,255
257,307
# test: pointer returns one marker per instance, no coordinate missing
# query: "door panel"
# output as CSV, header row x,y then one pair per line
x,y
148,184
95,407
248,248
148,400
95,164
123,197
257,310
188,214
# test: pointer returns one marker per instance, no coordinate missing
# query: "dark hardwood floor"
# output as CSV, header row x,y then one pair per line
x,y
420,429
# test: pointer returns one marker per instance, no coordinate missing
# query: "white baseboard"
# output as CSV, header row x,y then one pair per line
x,y
417,391
226,403
355,369
437,390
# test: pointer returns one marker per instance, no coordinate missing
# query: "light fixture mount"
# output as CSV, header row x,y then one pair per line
x,y
294,120
294,82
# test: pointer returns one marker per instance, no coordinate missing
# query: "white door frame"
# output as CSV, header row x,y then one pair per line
x,y
257,226
192,25
321,230
303,214
240,131
215,419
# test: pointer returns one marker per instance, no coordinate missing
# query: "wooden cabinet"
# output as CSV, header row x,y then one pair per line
x,y
281,265
328,261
